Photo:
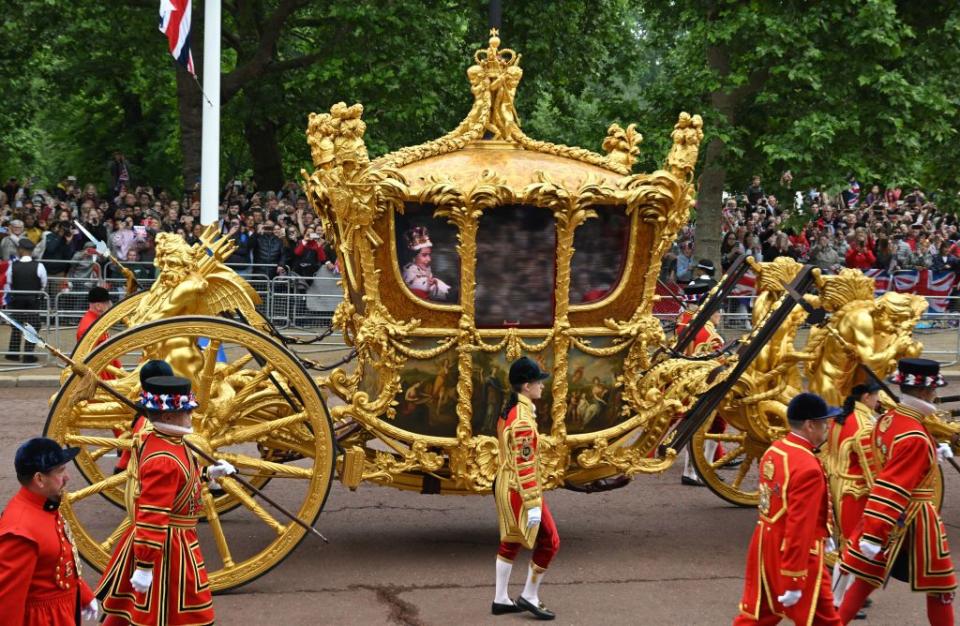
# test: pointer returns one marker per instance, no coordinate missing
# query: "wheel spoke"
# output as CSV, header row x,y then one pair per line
x,y
726,458
102,422
742,473
261,466
111,443
113,481
233,488
725,437
206,375
214,520
107,545
254,432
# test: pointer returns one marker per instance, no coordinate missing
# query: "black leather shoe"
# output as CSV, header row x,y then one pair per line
x,y
540,612
861,614
30,359
12,357
692,482
868,603
499,608
733,463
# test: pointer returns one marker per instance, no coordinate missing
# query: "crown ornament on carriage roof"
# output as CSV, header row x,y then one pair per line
x,y
493,57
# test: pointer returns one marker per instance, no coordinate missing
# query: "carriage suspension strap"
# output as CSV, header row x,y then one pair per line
x,y
706,404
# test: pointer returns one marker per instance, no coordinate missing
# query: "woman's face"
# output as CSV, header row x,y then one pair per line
x,y
423,258
292,234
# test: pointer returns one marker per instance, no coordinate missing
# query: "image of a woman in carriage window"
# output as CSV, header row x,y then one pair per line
x,y
417,273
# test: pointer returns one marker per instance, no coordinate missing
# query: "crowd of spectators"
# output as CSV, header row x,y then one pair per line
x,y
886,228
274,231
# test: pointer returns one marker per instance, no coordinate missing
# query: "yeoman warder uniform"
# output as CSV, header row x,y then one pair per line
x,y
786,551
157,575
902,534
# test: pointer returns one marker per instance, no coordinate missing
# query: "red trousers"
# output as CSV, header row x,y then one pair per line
x,y
825,614
544,548
939,605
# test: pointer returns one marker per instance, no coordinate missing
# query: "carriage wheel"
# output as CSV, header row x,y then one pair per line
x,y
262,399
734,476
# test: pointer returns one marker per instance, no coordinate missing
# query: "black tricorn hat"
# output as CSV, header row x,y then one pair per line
x,y
98,294
809,406
41,454
921,373
707,266
526,370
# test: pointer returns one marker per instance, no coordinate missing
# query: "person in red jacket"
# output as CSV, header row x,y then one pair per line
x,y
786,575
98,302
156,575
860,256
40,583
902,534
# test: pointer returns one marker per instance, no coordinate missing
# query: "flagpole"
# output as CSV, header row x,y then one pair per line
x,y
210,145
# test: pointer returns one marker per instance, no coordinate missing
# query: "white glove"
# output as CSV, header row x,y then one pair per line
x,y
142,579
220,469
791,597
870,549
91,612
830,546
944,452
533,517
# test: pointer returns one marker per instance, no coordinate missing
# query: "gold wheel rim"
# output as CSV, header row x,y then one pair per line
x,y
737,485
304,432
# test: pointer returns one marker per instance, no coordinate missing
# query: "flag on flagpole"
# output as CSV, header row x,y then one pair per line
x,y
175,24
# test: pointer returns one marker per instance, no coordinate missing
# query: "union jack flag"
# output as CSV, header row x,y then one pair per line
x,y
935,286
175,24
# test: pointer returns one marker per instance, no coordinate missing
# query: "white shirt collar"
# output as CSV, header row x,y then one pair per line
x,y
921,406
172,429
26,258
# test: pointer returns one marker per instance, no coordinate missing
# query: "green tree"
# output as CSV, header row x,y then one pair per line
x,y
824,89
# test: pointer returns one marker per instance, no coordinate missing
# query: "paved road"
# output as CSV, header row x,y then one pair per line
x,y
651,553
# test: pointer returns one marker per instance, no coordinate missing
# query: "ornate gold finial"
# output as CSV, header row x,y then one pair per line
x,y
622,146
687,134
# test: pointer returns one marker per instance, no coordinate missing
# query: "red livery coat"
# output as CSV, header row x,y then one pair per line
x,y
86,322
163,538
40,582
786,550
900,514
852,466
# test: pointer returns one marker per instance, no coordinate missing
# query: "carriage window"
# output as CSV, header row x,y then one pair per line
x,y
600,246
427,253
516,246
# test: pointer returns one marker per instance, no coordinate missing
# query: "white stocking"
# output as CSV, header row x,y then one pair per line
x,y
531,591
503,580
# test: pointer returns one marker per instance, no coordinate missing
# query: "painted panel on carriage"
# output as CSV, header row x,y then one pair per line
x,y
491,390
516,266
600,252
427,402
593,401
427,254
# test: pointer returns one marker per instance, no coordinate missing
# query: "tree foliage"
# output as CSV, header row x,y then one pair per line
x,y
823,89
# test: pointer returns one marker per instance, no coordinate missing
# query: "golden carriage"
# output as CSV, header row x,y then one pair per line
x,y
532,248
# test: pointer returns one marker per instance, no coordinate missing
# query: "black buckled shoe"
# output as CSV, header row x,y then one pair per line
x,y
692,482
540,612
499,608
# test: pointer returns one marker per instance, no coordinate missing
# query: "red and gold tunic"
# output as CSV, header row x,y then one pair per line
x,y
518,480
900,514
707,339
163,538
852,466
40,582
786,550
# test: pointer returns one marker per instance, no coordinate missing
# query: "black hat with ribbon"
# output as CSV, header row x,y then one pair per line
x,y
41,454
918,373
167,394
